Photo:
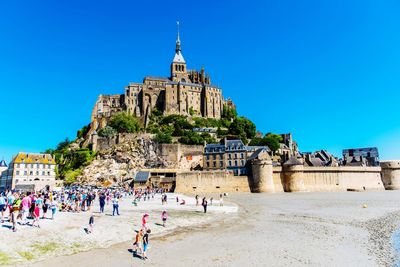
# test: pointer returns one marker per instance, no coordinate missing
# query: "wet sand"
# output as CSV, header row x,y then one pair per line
x,y
297,229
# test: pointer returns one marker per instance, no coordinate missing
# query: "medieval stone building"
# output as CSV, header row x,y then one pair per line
x,y
184,92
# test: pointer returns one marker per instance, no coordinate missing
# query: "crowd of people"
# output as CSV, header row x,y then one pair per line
x,y
29,208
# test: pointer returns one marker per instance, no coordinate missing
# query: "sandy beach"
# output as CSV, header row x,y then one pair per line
x,y
297,229
66,234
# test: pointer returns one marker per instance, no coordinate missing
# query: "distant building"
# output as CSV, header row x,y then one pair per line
x,y
3,173
30,171
231,155
361,157
319,158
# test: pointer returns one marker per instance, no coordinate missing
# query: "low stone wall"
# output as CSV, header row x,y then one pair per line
x,y
104,143
210,182
391,174
313,179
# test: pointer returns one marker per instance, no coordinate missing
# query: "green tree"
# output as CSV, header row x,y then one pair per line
x,y
123,122
191,111
163,138
64,144
191,138
70,176
243,128
271,140
83,131
228,113
107,131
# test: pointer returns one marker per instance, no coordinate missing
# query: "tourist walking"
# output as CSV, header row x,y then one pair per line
x,y
46,206
25,206
197,200
164,217
91,223
3,206
204,204
146,243
36,215
15,212
115,203
145,220
39,203
10,202
53,207
102,202
137,246
221,200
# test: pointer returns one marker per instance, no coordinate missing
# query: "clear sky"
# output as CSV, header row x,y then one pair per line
x,y
326,71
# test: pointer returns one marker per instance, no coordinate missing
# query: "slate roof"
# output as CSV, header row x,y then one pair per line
x,y
3,163
178,58
257,153
142,177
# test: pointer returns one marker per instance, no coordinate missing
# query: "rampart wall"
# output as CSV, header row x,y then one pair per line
x,y
210,182
391,174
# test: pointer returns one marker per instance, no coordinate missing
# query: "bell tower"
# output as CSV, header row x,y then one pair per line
x,y
178,65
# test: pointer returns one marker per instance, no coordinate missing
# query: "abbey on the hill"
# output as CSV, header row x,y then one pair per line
x,y
185,92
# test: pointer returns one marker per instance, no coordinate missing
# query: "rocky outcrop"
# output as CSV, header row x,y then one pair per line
x,y
119,163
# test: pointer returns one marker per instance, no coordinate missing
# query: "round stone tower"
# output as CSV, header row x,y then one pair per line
x,y
263,180
293,175
391,174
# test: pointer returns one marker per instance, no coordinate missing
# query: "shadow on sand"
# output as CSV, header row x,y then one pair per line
x,y
134,254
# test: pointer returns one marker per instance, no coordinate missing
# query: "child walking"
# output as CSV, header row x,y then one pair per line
x,y
138,242
36,215
146,243
164,217
91,223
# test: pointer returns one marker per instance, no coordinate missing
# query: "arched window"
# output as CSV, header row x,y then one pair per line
x,y
176,67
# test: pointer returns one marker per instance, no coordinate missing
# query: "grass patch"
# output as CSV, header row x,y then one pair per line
x,y
4,259
44,248
26,255
76,245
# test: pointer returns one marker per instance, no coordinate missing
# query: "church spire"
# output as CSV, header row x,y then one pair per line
x,y
178,41
178,58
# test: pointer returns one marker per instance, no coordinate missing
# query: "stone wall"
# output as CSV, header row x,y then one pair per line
x,y
186,157
210,182
391,174
104,143
313,179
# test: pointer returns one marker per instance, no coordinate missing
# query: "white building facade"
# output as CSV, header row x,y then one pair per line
x,y
31,171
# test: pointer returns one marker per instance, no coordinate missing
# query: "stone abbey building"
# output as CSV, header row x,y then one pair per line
x,y
185,92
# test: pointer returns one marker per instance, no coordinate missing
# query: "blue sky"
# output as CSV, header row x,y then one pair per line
x,y
326,71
